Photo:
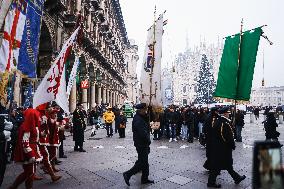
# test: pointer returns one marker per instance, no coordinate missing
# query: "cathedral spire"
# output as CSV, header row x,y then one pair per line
x,y
186,41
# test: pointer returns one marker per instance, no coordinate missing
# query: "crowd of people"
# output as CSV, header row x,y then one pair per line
x,y
35,136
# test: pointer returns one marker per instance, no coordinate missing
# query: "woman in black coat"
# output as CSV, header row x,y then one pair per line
x,y
121,124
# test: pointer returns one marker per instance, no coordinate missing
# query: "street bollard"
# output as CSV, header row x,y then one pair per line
x,y
280,119
251,118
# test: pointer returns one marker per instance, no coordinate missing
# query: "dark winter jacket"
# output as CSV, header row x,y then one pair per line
x,y
141,131
270,125
240,119
172,117
79,125
219,143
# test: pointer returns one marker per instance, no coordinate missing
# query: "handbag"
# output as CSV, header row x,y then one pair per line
x,y
155,125
122,126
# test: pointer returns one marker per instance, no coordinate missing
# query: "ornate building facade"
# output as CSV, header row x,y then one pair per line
x,y
267,96
186,71
102,46
131,59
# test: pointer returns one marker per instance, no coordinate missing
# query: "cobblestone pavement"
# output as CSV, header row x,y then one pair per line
x,y
172,165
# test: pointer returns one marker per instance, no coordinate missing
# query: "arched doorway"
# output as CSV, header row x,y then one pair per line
x,y
45,51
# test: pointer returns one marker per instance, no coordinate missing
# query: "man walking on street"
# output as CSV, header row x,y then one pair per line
x,y
141,138
219,146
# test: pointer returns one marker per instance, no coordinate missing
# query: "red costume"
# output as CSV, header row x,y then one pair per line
x,y
53,138
27,151
44,141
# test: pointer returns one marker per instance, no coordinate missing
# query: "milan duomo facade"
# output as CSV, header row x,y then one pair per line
x,y
184,74
104,44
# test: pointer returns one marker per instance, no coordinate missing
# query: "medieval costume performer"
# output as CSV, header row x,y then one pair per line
x,y
27,151
43,143
53,127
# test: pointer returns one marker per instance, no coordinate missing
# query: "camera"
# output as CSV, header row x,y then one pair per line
x,y
268,172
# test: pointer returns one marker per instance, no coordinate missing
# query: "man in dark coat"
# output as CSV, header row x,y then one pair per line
x,y
141,138
79,126
219,145
189,121
4,135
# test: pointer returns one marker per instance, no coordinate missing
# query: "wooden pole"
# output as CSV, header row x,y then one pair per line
x,y
153,59
239,56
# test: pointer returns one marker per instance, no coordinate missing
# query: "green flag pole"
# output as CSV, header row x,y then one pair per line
x,y
239,55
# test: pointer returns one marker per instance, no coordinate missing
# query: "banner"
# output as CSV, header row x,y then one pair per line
x,y
30,41
73,74
28,95
53,85
13,32
152,49
235,78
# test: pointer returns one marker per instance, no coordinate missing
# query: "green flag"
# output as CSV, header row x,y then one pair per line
x,y
249,47
235,78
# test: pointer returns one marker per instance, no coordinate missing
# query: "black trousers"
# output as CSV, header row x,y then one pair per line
x,y
141,164
214,173
3,160
109,129
61,150
78,144
121,132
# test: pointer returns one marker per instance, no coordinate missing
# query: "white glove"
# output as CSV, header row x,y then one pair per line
x,y
8,125
7,135
43,119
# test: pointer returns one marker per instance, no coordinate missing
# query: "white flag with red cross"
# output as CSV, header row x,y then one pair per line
x,y
12,37
53,85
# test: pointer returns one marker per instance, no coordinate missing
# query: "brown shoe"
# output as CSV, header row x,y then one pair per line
x,y
37,177
55,178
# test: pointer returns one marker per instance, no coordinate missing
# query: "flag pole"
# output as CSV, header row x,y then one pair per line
x,y
153,59
239,56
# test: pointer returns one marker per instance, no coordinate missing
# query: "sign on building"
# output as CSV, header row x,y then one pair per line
x,y
85,84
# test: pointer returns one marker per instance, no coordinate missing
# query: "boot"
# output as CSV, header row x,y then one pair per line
x,y
54,168
29,181
54,177
37,177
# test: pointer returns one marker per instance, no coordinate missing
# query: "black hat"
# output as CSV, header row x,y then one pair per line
x,y
226,109
140,106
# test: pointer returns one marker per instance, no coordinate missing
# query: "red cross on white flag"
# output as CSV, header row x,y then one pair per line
x,y
53,85
13,32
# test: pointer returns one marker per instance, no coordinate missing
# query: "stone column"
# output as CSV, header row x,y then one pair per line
x,y
85,98
93,95
78,5
112,97
89,22
17,88
104,94
99,95
72,98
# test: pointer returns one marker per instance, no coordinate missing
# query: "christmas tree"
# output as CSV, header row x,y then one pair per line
x,y
205,84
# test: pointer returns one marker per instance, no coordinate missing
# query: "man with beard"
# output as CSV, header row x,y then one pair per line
x,y
141,138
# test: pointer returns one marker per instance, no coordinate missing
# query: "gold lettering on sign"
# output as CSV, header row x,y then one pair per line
x,y
29,46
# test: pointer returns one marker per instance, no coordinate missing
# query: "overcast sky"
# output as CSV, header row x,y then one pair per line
x,y
207,20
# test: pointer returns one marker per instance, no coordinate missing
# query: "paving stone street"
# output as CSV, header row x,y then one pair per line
x,y
172,165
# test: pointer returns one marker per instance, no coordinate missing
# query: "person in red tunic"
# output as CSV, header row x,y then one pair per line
x,y
27,151
53,127
43,142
